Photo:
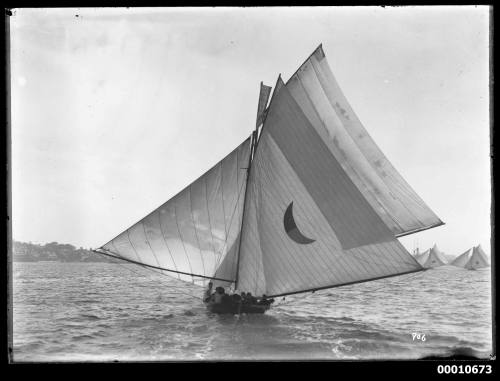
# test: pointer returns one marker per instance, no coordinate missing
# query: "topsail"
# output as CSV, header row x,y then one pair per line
x,y
319,96
310,203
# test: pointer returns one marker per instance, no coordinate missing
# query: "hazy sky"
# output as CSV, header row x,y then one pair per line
x,y
116,110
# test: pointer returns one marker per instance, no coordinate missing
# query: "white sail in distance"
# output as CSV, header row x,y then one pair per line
x,y
478,259
462,259
422,257
193,236
318,94
434,259
306,224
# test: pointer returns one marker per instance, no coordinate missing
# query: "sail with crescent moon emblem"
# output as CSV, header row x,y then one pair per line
x,y
308,202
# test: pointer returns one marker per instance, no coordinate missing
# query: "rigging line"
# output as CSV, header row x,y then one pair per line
x,y
293,300
156,272
131,244
182,241
166,244
343,284
258,200
230,224
411,276
235,271
117,256
195,229
376,263
247,173
149,244
222,195
210,223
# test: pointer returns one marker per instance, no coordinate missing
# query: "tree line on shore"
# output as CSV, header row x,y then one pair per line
x,y
54,251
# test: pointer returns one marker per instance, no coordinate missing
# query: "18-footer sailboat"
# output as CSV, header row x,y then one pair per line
x,y
307,202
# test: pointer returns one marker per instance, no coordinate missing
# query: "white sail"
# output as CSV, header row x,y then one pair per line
x,y
194,235
319,96
321,206
306,224
265,91
422,257
478,259
462,259
434,259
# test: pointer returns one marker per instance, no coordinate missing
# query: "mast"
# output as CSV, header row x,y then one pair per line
x,y
261,117
252,145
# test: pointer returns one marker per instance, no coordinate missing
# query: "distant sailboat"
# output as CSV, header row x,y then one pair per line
x,y
435,258
472,259
422,257
307,202
478,259
462,259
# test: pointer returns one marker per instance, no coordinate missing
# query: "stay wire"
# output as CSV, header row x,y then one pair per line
x,y
412,276
160,273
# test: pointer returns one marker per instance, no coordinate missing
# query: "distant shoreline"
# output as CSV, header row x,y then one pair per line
x,y
27,252
55,261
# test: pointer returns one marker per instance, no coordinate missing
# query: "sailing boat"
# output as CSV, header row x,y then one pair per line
x,y
307,202
422,257
462,259
434,258
478,259
472,259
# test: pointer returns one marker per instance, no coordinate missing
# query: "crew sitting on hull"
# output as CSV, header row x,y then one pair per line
x,y
264,301
219,295
208,293
246,298
249,299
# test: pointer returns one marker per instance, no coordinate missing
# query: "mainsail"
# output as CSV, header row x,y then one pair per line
x,y
318,94
478,259
293,168
193,236
310,203
422,257
462,259
435,258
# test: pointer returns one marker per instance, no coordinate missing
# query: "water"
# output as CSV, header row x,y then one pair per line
x,y
106,312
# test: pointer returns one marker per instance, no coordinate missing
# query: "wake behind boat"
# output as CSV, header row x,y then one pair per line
x,y
307,202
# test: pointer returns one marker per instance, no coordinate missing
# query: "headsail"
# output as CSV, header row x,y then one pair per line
x,y
194,235
347,241
316,91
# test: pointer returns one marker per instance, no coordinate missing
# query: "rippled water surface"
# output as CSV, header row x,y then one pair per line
x,y
106,312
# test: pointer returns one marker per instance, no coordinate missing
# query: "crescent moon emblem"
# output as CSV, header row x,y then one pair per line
x,y
291,227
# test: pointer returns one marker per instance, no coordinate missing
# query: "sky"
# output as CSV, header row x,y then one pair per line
x,y
115,110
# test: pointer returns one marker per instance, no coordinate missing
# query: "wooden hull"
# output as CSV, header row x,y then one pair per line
x,y
235,308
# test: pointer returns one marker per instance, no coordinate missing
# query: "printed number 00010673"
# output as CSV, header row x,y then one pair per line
x,y
464,369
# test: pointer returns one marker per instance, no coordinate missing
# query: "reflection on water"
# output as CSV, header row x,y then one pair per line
x,y
105,312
